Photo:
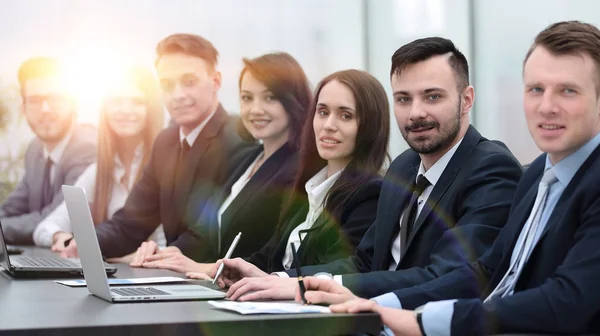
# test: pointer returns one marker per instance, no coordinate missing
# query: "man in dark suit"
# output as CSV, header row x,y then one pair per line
x,y
541,274
470,182
59,153
189,160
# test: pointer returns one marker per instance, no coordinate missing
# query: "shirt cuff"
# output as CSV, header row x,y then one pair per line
x,y
338,279
43,237
389,300
281,274
437,318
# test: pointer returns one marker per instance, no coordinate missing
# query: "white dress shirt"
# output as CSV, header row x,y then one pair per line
x,y
433,175
58,220
193,135
316,189
236,188
56,154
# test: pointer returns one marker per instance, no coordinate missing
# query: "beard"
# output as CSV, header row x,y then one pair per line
x,y
434,143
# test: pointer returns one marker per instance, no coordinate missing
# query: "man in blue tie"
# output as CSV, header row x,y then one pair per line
x,y
540,276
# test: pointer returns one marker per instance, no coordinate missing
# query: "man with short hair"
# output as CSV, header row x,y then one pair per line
x,y
189,160
541,274
59,153
442,202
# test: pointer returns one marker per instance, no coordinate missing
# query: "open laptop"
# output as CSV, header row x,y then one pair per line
x,y
28,266
91,261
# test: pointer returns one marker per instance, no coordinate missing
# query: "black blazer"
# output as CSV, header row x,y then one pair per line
x,y
254,212
161,198
557,291
324,243
459,222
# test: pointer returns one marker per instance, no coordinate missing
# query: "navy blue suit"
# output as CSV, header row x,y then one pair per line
x,y
460,221
557,291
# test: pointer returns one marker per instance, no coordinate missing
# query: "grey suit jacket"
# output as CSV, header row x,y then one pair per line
x,y
23,209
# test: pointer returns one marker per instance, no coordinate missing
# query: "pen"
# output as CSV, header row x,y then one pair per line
x,y
227,256
300,281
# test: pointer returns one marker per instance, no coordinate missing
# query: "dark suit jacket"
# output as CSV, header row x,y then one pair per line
x,y
557,291
161,198
24,209
254,212
460,220
324,243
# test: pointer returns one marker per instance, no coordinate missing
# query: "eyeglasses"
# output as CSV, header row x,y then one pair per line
x,y
35,103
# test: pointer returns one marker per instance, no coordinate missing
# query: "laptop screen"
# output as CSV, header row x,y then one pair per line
x,y
4,261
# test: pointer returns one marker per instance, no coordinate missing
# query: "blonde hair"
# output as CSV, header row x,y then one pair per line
x,y
148,84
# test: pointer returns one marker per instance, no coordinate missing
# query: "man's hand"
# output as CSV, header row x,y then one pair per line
x,y
58,241
235,270
147,249
269,287
175,261
402,322
324,291
70,251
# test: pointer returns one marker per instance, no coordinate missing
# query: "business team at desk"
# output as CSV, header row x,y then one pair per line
x,y
454,239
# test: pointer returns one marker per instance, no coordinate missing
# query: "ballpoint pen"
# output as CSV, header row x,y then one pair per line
x,y
300,281
227,256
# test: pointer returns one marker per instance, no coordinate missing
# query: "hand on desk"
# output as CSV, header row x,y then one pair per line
x,y
59,239
234,271
324,291
174,261
70,251
268,287
401,322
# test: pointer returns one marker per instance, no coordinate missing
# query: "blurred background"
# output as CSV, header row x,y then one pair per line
x,y
93,37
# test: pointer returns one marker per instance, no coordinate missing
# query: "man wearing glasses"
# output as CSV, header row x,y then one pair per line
x,y
59,153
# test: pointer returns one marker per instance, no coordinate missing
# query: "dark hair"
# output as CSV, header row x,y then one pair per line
x,y
570,38
370,151
284,77
423,49
38,67
188,44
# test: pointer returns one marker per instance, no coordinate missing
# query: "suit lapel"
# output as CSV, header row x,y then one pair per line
x,y
469,142
185,181
401,182
259,181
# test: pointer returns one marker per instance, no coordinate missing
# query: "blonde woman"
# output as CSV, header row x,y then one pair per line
x,y
131,116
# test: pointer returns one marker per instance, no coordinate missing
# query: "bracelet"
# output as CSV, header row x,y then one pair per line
x,y
419,316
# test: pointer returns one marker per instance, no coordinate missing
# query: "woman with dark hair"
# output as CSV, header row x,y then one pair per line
x,y
274,100
344,146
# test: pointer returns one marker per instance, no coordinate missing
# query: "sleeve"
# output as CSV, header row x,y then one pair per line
x,y
19,228
139,217
58,220
485,207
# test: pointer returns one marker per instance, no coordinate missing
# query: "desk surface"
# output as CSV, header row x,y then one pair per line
x,y
45,307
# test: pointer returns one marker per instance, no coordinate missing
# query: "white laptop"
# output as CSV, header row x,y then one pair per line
x,y
93,270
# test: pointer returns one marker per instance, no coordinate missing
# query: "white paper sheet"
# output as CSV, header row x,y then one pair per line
x,y
137,281
246,308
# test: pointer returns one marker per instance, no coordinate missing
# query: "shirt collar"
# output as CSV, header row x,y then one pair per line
x,y
59,150
566,168
137,156
119,170
193,135
318,186
435,172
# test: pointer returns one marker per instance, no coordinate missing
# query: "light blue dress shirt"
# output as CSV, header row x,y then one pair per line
x,y
437,316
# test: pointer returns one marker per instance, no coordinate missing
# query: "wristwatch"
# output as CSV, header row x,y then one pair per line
x,y
324,275
419,317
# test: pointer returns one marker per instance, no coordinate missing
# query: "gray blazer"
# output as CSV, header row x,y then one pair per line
x,y
23,209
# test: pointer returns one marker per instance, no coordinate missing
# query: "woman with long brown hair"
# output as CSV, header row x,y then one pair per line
x,y
131,116
344,147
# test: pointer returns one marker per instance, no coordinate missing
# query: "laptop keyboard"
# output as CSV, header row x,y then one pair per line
x,y
138,291
44,262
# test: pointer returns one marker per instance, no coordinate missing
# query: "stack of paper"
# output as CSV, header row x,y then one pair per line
x,y
246,308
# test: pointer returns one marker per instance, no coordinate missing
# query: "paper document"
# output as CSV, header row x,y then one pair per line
x,y
246,308
137,281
